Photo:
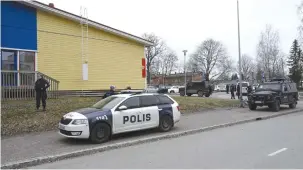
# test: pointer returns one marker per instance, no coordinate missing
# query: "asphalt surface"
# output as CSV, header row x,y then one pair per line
x,y
28,146
218,95
50,143
274,143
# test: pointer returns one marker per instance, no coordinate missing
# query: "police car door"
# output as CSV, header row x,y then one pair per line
x,y
150,113
126,119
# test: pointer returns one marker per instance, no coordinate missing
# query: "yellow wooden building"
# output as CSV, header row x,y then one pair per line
x,y
105,57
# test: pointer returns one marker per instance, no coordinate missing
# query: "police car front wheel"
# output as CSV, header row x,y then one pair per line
x,y
166,123
100,133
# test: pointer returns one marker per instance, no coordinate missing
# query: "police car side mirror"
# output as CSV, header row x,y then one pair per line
x,y
122,107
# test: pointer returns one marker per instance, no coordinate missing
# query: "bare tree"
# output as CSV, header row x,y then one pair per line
x,y
300,27
211,58
224,69
191,66
155,66
268,51
168,62
248,66
152,52
180,67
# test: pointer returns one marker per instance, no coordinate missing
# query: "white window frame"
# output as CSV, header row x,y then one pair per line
x,y
17,50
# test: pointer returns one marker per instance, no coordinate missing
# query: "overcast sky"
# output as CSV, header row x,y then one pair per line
x,y
184,24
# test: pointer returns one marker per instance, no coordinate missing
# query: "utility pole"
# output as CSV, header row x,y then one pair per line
x,y
185,51
240,62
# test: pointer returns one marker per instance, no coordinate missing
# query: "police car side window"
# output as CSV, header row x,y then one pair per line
x,y
131,103
165,100
149,101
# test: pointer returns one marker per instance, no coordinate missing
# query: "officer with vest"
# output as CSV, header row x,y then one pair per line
x,y
40,87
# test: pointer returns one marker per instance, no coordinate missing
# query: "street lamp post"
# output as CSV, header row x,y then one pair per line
x,y
240,62
184,51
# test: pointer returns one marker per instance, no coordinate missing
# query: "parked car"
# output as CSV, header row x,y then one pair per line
x,y
151,89
220,87
119,114
203,88
244,87
273,94
174,89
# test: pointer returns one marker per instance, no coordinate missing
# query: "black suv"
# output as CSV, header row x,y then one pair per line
x,y
273,94
200,88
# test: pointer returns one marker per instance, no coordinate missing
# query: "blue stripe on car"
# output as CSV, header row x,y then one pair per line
x,y
95,116
165,109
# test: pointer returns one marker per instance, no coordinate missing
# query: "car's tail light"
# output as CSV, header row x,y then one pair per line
x,y
178,107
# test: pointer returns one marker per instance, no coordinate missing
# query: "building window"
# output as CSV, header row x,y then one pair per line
x,y
26,61
17,73
9,64
8,60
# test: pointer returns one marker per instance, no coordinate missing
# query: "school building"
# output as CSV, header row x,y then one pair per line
x,y
75,53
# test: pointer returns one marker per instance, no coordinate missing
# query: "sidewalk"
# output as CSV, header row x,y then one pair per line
x,y
51,143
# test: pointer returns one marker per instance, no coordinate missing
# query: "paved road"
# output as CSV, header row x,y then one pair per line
x,y
274,143
218,95
51,143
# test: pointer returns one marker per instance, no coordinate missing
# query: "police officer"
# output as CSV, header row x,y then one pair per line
x,y
40,87
227,88
249,89
110,92
232,91
238,91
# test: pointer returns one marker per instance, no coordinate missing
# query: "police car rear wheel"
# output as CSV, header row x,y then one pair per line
x,y
100,133
166,123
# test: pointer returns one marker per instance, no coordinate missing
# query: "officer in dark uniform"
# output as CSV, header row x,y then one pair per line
x,y
110,92
232,91
227,88
238,91
40,87
249,89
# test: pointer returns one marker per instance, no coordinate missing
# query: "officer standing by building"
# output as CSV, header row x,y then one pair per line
x,y
40,87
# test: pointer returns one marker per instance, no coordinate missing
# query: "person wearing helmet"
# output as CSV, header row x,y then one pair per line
x,y
110,92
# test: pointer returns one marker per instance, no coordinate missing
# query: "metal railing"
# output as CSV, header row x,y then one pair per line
x,y
21,85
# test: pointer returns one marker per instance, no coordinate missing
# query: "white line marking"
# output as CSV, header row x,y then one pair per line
x,y
278,151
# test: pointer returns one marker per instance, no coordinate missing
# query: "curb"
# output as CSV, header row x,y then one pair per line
x,y
83,152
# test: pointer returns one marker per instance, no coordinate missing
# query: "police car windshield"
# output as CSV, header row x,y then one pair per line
x,y
108,103
269,86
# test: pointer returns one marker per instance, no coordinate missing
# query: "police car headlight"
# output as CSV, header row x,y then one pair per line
x,y
80,122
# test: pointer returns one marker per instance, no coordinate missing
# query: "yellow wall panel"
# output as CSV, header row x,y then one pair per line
x,y
112,60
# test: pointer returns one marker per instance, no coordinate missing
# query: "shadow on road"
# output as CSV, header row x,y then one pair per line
x,y
116,138
266,109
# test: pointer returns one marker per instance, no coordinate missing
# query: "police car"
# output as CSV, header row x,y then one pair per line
x,y
121,113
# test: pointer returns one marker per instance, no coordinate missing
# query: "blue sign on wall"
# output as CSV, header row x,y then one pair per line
x,y
18,26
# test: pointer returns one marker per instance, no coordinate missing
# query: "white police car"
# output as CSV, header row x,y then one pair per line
x,y
121,113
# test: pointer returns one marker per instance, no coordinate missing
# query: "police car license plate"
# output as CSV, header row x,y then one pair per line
x,y
258,101
61,127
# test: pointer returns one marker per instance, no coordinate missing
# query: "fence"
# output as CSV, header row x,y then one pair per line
x,y
21,85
